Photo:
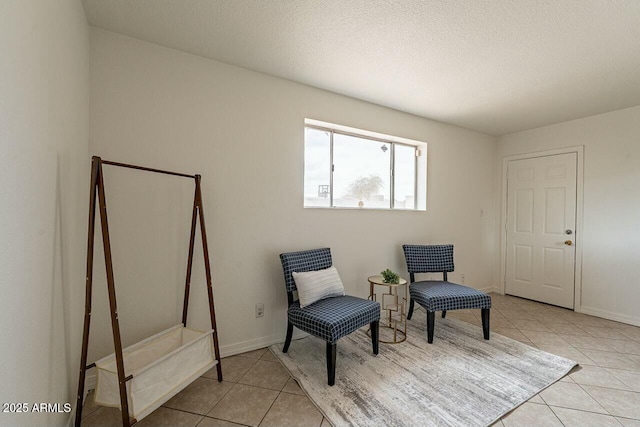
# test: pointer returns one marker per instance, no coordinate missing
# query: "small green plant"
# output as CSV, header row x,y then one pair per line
x,y
390,277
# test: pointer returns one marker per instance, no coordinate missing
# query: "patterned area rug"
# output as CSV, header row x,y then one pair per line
x,y
459,380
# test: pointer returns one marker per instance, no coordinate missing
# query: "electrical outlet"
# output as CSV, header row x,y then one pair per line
x,y
461,278
259,310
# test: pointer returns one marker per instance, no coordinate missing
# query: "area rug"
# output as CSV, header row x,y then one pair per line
x,y
459,380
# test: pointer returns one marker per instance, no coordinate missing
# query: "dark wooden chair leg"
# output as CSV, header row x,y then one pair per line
x,y
331,362
375,334
410,309
485,322
444,313
287,341
431,321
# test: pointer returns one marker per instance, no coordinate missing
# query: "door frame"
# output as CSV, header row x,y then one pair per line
x,y
579,150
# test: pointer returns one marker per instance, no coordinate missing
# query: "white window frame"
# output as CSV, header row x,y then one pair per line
x,y
420,168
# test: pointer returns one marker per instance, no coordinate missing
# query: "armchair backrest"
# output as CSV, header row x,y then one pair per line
x,y
428,259
311,260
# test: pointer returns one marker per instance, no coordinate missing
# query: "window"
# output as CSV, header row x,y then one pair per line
x,y
351,168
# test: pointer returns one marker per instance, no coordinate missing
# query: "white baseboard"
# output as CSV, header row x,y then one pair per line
x,y
255,344
617,317
490,289
225,351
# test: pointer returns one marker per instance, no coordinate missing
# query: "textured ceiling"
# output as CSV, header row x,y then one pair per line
x,y
493,66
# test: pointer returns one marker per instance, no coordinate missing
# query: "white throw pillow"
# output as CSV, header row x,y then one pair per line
x,y
316,285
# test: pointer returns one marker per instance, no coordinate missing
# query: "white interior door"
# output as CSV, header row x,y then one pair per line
x,y
541,225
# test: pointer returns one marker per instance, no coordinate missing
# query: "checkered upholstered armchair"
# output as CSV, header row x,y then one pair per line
x,y
441,295
331,318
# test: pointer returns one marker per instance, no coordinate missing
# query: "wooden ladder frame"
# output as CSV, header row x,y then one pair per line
x,y
97,193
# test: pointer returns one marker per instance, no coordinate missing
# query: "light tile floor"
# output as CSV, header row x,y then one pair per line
x,y
603,391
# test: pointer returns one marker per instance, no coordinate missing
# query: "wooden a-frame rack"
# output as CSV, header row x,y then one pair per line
x,y
197,216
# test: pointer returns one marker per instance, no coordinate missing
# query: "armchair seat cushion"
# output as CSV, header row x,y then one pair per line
x,y
333,318
438,296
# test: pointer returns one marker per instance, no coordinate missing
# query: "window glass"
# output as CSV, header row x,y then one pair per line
x,y
361,176
353,168
404,176
317,168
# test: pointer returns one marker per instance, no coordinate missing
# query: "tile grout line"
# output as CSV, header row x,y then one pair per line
x,y
583,410
580,385
210,409
263,388
220,400
609,388
219,419
270,406
555,415
596,400
602,367
568,345
203,416
626,418
614,375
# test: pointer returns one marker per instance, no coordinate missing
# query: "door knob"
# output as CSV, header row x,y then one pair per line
x,y
568,242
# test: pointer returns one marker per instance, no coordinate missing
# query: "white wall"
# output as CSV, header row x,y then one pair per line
x,y
44,101
611,228
243,131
